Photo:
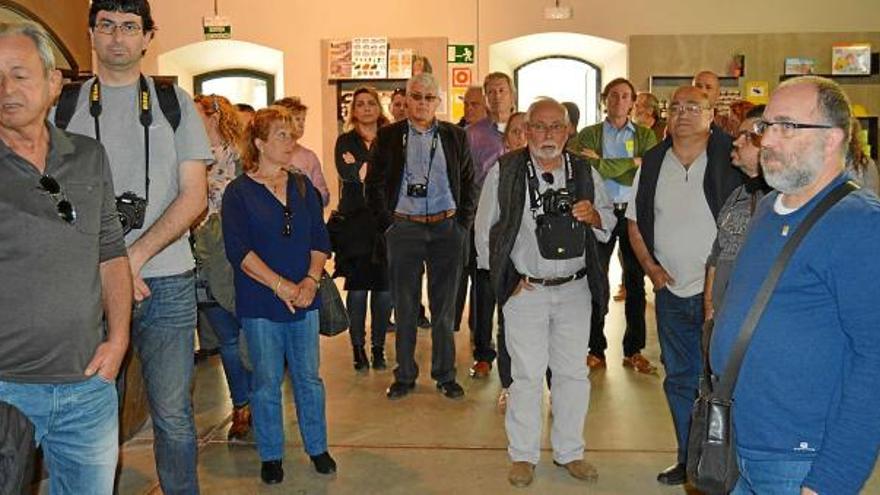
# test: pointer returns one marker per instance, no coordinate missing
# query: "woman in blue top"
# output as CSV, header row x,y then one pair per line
x,y
277,243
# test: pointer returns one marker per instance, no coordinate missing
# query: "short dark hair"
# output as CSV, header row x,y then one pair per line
x,y
615,82
574,113
137,7
756,112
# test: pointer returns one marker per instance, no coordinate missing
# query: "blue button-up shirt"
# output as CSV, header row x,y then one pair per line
x,y
618,143
421,169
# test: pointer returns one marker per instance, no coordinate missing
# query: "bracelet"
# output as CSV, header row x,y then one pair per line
x,y
317,281
277,286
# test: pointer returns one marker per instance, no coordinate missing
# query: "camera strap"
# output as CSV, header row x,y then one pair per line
x,y
435,138
146,118
534,194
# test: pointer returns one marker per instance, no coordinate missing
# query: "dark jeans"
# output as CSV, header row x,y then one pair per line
x,y
441,247
380,313
482,310
228,330
633,282
679,330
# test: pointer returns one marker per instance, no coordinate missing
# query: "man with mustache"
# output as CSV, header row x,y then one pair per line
x,y
545,298
806,399
679,190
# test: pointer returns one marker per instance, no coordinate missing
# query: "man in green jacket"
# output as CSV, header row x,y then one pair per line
x,y
615,148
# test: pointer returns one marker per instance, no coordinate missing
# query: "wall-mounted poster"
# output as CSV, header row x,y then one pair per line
x,y
798,66
400,62
339,59
369,57
758,92
851,59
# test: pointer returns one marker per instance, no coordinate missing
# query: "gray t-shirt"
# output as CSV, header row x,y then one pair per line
x,y
684,228
123,136
51,299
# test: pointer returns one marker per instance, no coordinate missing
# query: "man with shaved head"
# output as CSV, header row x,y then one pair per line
x,y
680,188
545,280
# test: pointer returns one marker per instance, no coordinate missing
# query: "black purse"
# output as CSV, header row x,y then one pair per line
x,y
332,314
711,462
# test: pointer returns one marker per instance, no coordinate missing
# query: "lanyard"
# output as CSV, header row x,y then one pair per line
x,y
146,118
434,140
534,195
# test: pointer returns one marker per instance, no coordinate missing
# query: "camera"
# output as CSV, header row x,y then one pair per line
x,y
131,209
557,202
417,190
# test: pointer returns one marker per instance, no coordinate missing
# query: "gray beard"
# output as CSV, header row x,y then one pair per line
x,y
792,179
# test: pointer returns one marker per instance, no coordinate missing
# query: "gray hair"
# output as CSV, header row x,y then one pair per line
x,y
832,102
38,35
425,79
546,101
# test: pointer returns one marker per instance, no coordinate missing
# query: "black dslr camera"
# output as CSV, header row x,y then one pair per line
x,y
417,190
557,202
131,209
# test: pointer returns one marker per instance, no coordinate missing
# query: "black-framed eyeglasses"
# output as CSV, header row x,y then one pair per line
x,y
288,216
751,136
420,97
64,207
786,128
110,27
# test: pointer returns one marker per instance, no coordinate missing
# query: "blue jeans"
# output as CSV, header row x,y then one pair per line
x,y
77,425
776,477
269,344
162,333
227,328
380,311
679,329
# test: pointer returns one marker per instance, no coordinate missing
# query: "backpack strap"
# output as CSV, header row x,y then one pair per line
x,y
168,102
67,104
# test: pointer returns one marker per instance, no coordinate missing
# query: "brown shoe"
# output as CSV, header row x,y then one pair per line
x,y
639,363
621,293
521,474
581,469
594,361
481,369
241,423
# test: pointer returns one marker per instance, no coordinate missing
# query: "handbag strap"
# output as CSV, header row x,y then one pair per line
x,y
731,372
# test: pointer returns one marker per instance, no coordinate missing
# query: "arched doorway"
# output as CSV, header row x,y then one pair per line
x,y
564,79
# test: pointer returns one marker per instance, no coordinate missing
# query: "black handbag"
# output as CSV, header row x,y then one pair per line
x,y
711,461
333,315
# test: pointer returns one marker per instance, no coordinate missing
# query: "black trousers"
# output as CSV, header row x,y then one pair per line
x,y
441,248
633,282
482,310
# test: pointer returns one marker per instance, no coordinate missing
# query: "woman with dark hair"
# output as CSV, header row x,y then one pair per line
x,y
224,133
277,243
354,258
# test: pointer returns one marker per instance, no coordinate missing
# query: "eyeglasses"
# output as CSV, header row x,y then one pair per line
x,y
542,128
786,128
751,136
64,207
691,108
288,216
126,28
420,97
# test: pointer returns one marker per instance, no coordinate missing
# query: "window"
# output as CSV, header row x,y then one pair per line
x,y
238,85
563,79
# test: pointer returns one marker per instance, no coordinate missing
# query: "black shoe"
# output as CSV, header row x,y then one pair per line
x,y
324,464
673,475
451,389
360,358
424,322
271,472
399,390
379,358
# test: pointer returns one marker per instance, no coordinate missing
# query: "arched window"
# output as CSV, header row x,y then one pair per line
x,y
563,79
238,85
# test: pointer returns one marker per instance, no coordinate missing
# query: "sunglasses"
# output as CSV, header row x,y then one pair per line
x,y
420,97
288,216
752,137
64,207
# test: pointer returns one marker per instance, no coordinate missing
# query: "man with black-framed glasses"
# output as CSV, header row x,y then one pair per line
x,y
679,190
64,264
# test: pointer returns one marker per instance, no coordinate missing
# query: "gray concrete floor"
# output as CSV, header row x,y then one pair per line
x,y
425,443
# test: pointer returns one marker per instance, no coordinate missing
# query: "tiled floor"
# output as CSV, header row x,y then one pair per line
x,y
425,443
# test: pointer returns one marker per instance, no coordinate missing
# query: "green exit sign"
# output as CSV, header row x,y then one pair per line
x,y
217,28
460,54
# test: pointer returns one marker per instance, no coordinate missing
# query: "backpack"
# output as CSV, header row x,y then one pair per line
x,y
164,92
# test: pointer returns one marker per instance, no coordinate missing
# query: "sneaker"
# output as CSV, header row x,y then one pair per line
x,y
451,389
480,369
639,363
399,390
241,423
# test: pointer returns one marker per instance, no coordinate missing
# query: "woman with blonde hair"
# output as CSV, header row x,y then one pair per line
x,y
277,244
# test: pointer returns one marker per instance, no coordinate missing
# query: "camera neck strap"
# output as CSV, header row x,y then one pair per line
x,y
534,194
145,105
435,139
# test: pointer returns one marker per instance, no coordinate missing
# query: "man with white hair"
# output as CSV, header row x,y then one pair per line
x,y
419,186
541,248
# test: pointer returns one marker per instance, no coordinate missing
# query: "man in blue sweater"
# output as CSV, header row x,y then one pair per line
x,y
806,402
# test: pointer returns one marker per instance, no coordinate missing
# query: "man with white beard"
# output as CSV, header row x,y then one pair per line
x,y
545,279
806,398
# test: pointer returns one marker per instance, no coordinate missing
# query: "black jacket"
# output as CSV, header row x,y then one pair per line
x,y
385,171
720,180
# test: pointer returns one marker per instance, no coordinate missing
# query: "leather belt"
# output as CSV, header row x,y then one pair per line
x,y
426,219
552,282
